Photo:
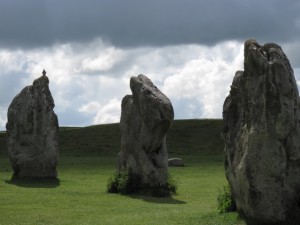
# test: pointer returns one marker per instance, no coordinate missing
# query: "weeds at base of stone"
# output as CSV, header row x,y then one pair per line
x,y
225,201
127,183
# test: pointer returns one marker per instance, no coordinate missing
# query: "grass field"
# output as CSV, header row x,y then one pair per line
x,y
86,163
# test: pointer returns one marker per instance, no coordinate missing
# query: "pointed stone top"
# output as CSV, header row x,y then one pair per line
x,y
43,80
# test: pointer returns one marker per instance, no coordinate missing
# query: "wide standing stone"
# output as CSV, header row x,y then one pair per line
x,y
146,117
262,137
32,132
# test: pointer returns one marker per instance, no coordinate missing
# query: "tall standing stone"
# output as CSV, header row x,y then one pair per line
x,y
32,132
262,137
146,117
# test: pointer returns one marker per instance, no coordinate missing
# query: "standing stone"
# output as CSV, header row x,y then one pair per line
x,y
32,132
262,137
146,117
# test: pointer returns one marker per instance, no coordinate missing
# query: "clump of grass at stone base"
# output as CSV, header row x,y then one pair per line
x,y
126,182
225,201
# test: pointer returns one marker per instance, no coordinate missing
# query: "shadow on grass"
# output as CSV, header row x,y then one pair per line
x,y
34,182
158,200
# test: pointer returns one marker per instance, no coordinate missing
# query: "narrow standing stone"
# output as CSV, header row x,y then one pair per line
x,y
146,117
32,132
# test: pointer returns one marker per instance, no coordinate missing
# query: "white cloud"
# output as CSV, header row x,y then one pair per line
x,y
90,108
11,61
196,78
206,80
103,61
109,113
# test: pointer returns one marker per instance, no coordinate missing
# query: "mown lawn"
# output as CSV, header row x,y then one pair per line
x,y
81,198
87,162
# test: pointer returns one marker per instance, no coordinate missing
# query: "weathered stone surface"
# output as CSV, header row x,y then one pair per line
x,y
175,162
262,137
146,117
32,132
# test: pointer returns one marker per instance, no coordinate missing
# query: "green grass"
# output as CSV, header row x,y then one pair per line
x,y
86,163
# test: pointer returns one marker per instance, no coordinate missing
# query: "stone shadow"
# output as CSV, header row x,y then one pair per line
x,y
158,200
35,182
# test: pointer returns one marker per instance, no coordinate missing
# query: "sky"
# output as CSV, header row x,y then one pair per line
x,y
190,49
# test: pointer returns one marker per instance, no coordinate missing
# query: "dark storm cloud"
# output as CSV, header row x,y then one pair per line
x,y
35,23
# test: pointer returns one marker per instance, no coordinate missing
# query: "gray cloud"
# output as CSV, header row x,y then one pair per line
x,y
194,77
35,23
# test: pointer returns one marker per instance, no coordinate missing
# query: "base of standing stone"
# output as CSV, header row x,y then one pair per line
x,y
46,182
255,222
129,183
16,177
156,191
34,170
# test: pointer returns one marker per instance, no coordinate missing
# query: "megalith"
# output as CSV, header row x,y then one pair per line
x,y
262,137
146,117
32,132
